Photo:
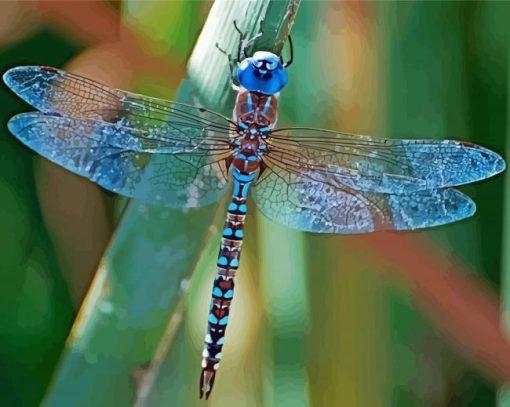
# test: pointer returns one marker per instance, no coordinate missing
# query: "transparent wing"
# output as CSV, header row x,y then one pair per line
x,y
54,91
108,134
299,202
114,157
379,165
141,139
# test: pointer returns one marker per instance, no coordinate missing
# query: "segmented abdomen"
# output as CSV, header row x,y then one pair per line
x,y
224,284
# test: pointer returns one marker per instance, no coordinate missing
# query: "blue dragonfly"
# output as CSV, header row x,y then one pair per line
x,y
183,156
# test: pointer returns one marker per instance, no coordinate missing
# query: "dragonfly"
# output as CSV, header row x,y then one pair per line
x,y
180,155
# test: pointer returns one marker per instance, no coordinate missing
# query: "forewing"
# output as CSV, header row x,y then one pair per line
x,y
82,146
54,91
301,203
380,165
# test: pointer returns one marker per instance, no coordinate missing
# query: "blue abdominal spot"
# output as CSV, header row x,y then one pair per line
x,y
246,178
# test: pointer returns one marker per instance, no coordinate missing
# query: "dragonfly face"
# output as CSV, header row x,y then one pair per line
x,y
264,73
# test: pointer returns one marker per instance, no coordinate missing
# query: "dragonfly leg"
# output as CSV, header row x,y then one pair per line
x,y
289,62
231,63
245,43
241,51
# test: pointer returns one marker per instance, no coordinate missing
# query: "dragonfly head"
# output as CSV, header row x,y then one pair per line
x,y
264,73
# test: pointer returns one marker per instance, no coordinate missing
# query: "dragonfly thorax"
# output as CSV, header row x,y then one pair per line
x,y
255,112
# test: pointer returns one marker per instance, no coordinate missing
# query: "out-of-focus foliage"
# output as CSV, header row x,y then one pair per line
x,y
340,325
447,78
35,311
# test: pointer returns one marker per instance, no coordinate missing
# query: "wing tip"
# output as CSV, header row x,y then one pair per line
x,y
8,76
12,71
464,206
499,164
494,162
11,124
14,123
469,207
13,76
30,83
448,205
21,121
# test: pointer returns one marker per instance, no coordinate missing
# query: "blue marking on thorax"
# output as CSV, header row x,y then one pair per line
x,y
267,105
249,100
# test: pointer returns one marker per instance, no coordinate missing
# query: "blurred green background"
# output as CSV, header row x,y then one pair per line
x,y
317,320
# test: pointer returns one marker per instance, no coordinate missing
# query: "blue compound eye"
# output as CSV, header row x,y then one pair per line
x,y
262,73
